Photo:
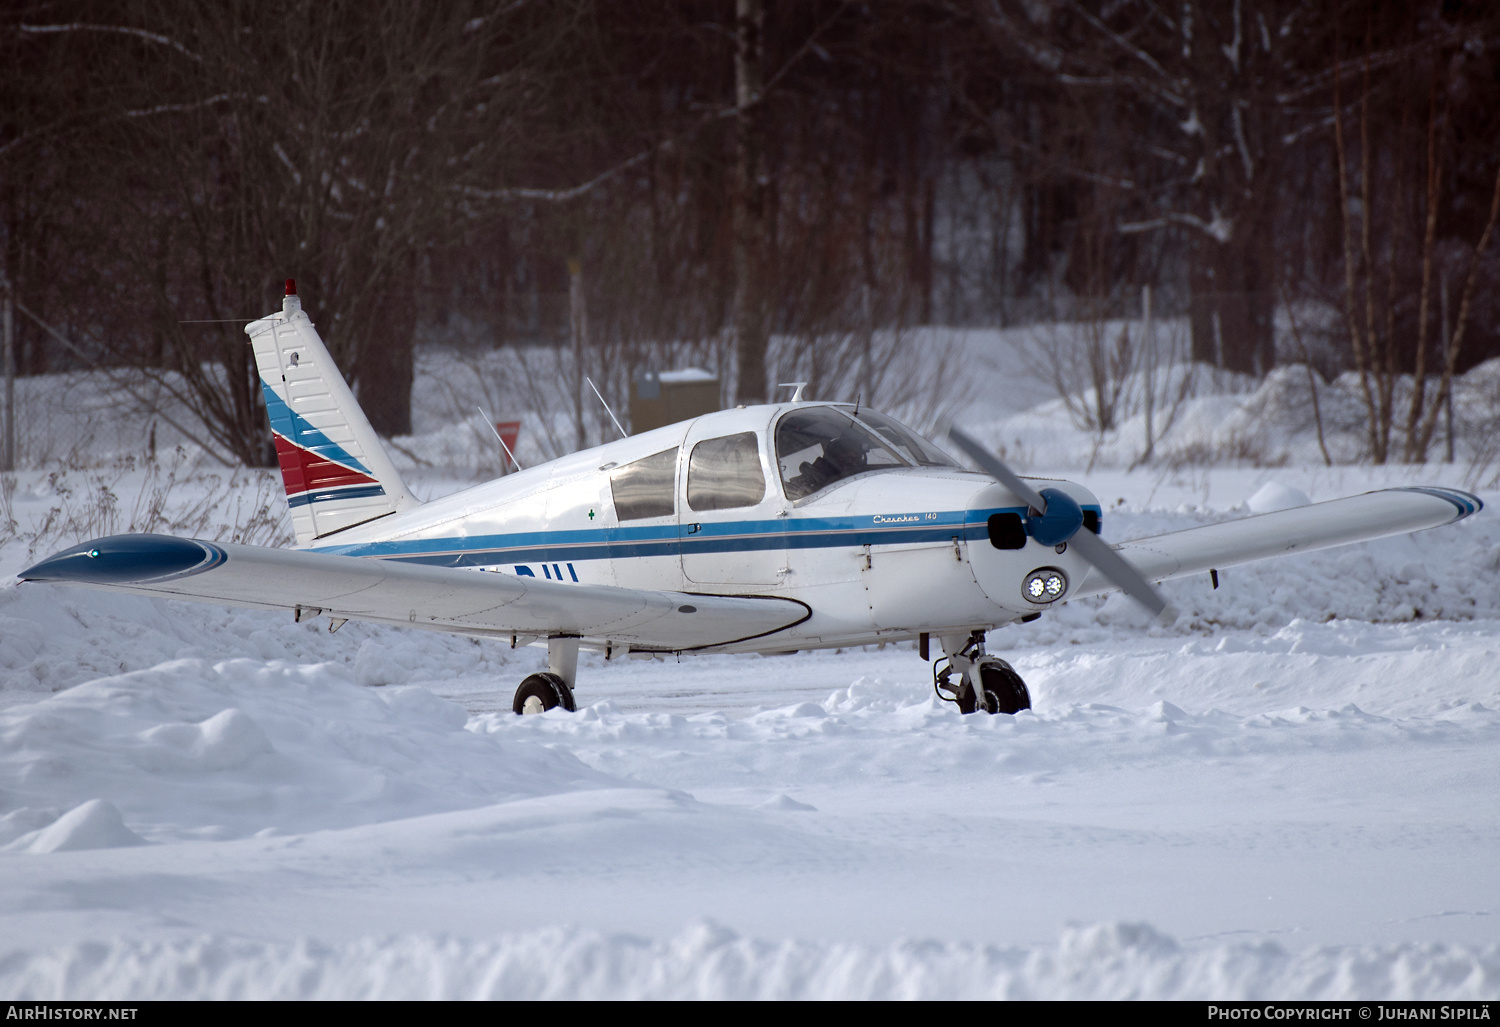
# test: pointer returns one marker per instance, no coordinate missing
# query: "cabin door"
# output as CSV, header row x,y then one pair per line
x,y
731,524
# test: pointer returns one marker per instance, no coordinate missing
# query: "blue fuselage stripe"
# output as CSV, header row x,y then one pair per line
x,y
685,539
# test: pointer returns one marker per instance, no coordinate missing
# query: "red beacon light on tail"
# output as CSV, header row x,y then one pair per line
x,y
290,303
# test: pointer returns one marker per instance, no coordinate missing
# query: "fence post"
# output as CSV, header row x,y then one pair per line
x,y
8,358
1448,399
867,341
1148,342
578,324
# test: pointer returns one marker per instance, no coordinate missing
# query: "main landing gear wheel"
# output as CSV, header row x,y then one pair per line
x,y
542,692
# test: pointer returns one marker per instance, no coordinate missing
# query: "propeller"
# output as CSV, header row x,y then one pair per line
x,y
1057,520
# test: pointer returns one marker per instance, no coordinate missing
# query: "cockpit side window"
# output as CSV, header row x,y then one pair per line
x,y
818,447
905,441
647,487
725,473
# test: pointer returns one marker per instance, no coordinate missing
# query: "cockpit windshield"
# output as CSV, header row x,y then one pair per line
x,y
818,447
905,441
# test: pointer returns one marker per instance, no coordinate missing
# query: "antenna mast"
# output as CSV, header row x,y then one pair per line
x,y
607,410
499,438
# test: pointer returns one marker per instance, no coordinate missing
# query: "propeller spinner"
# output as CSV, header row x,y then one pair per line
x,y
1055,518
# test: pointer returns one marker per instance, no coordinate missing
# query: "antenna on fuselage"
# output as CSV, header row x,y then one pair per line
x,y
499,438
607,410
798,387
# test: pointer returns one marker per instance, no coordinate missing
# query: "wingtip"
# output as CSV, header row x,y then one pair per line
x,y
126,559
1466,503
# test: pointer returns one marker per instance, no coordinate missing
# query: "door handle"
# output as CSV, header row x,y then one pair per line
x,y
693,529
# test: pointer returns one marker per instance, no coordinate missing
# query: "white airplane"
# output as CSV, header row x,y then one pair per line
x,y
762,529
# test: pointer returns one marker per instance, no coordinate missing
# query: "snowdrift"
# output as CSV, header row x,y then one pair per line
x,y
708,961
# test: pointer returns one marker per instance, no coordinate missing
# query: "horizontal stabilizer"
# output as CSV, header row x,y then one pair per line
x,y
468,602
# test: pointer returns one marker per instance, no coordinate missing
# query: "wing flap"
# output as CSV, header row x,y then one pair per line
x,y
1300,530
436,598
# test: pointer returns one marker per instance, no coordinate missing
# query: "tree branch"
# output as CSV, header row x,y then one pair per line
x,y
124,30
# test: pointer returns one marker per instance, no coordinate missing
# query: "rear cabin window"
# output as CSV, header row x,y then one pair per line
x,y
725,473
646,488
816,448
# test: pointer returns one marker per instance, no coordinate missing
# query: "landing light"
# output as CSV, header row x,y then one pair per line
x,y
1044,585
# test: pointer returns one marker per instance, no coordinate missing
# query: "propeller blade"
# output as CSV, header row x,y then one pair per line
x,y
1120,571
991,465
1090,546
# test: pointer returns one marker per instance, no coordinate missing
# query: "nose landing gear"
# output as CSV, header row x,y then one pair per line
x,y
985,682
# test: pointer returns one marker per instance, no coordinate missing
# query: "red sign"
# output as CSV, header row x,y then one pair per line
x,y
509,432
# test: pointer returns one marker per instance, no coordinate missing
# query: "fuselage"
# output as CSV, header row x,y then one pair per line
x,y
882,542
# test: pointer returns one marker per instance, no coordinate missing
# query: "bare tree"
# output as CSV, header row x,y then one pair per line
x,y
1389,243
1185,112
752,186
323,142
749,201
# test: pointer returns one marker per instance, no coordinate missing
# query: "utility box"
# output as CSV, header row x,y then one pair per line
x,y
666,397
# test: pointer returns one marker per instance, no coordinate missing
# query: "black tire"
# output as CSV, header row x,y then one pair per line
x,y
1004,691
965,697
968,702
547,689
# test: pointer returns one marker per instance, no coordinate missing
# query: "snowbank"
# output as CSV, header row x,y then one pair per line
x,y
192,749
708,961
1206,418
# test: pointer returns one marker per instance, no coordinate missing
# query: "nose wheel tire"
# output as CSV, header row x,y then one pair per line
x,y
1001,691
542,692
968,702
1004,691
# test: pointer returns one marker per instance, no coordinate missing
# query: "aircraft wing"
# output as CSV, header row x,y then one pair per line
x,y
414,595
1300,530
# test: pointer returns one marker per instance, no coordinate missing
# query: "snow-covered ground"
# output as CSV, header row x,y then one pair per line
x,y
1291,793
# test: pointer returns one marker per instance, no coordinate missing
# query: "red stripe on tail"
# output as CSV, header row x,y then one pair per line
x,y
303,470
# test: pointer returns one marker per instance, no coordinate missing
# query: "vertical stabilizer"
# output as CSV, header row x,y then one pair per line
x,y
336,473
